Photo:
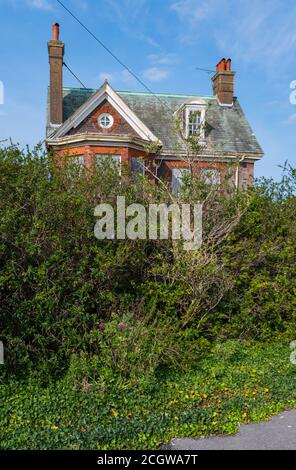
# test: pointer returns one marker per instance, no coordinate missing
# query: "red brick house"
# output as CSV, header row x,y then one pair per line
x,y
88,124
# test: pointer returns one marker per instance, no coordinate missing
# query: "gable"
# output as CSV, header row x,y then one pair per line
x,y
103,97
91,123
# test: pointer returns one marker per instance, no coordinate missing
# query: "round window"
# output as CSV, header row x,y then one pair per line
x,y
105,120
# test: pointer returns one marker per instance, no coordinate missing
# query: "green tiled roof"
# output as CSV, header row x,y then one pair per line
x,y
227,127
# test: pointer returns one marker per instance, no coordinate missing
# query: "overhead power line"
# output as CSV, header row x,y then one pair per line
x,y
107,48
75,76
162,102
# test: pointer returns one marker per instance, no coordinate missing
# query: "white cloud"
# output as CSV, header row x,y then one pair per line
x,y
192,11
106,76
127,77
46,5
40,4
155,74
254,31
131,17
163,59
265,33
123,77
291,119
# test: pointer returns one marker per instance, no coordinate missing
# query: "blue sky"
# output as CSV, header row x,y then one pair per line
x,y
162,41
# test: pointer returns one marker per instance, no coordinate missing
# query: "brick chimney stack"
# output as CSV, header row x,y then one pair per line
x,y
56,55
223,82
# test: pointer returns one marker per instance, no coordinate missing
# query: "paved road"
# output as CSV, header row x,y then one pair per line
x,y
277,434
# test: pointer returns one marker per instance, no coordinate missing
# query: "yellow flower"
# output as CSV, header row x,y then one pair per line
x,y
215,413
114,413
244,415
54,427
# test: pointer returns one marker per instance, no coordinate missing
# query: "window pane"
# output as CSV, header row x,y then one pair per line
x,y
105,121
177,176
115,159
78,160
138,166
210,176
193,122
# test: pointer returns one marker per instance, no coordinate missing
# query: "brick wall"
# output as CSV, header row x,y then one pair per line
x,y
90,124
246,170
166,168
246,175
56,53
89,153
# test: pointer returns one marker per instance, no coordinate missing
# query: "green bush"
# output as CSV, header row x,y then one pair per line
x,y
129,349
261,254
59,284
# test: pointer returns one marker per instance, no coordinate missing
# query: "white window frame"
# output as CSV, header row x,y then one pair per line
x,y
201,111
108,116
102,156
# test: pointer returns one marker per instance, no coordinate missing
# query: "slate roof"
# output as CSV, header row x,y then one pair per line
x,y
228,130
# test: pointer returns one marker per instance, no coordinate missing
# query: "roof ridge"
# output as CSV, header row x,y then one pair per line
x,y
80,89
172,95
143,93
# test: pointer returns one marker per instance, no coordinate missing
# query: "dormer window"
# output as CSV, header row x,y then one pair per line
x,y
193,115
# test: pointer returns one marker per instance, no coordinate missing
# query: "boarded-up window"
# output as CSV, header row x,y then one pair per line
x,y
138,166
210,176
113,160
78,160
177,176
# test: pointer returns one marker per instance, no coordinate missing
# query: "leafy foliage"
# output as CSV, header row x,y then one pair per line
x,y
58,282
236,383
261,254
109,344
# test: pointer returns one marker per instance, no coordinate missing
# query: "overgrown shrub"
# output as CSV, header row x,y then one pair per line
x,y
64,294
261,255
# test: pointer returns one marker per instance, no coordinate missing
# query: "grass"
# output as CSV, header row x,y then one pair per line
x,y
237,383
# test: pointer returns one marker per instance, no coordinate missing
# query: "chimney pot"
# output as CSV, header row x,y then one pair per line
x,y
221,65
56,32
